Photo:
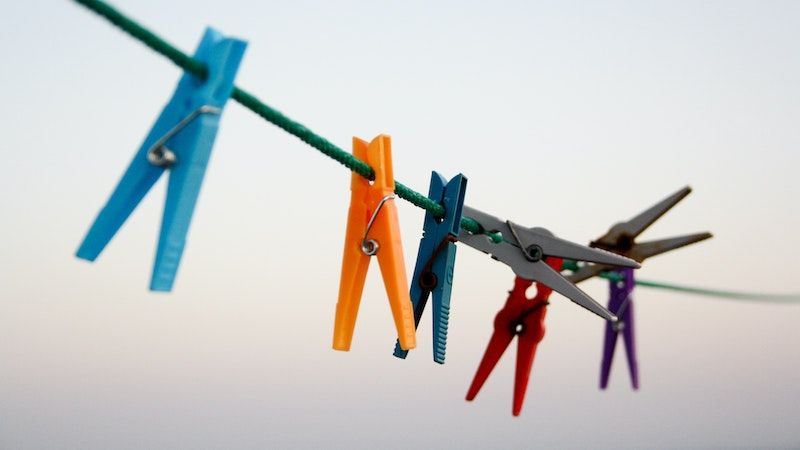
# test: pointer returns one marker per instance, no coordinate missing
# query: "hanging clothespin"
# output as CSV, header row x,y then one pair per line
x,y
373,229
525,249
621,239
523,318
180,141
619,301
433,273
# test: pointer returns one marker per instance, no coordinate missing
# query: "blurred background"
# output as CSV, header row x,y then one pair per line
x,y
567,115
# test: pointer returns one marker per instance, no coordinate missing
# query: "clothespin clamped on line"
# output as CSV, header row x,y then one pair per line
x,y
433,273
619,301
620,239
523,318
180,141
534,254
373,229
524,250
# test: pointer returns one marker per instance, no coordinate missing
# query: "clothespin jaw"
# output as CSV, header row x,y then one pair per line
x,y
373,229
621,238
525,249
621,303
622,234
180,141
523,318
433,273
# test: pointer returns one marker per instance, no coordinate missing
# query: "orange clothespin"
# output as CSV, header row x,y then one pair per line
x,y
373,229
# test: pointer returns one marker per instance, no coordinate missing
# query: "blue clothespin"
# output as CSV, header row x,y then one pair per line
x,y
180,141
436,258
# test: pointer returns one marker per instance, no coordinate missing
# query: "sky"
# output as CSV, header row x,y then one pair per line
x,y
566,115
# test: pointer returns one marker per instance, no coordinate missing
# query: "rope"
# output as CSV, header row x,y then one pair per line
x,y
275,117
734,295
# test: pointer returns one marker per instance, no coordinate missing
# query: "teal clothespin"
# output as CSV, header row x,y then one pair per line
x,y
180,141
433,273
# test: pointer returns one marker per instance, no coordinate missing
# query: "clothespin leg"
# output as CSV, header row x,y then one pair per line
x,y
419,299
527,342
134,185
393,270
609,346
630,345
185,180
354,272
497,346
441,301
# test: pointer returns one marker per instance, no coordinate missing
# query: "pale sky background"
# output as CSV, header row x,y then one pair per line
x,y
567,115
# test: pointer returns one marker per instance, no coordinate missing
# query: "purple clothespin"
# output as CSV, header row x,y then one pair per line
x,y
620,303
621,239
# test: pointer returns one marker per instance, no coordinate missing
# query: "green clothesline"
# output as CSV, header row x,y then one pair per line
x,y
300,131
733,295
776,298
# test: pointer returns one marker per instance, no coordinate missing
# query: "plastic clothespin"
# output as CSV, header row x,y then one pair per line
x,y
621,239
433,273
523,318
180,141
373,229
524,250
619,301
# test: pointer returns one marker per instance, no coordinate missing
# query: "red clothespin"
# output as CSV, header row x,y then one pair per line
x,y
373,229
521,317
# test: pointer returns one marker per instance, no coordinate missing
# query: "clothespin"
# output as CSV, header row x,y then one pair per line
x,y
619,301
525,249
621,239
523,318
436,257
180,141
373,229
